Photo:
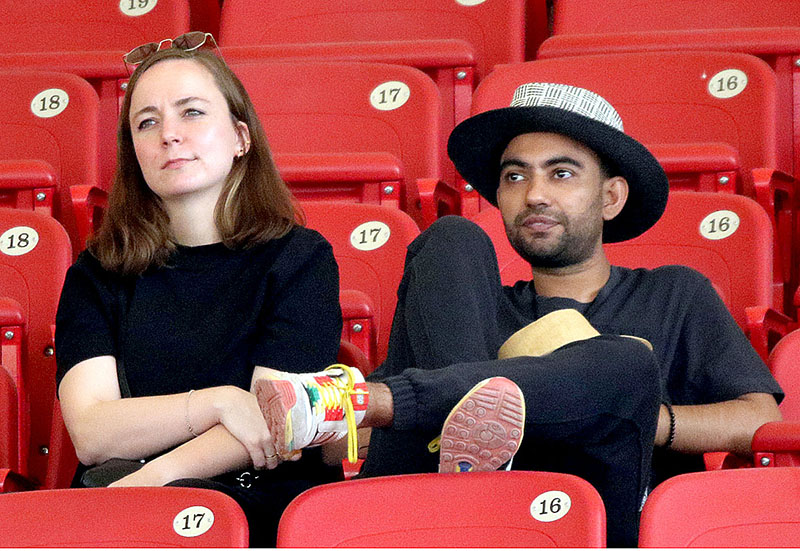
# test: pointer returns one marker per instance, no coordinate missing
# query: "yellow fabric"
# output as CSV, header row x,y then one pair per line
x,y
335,397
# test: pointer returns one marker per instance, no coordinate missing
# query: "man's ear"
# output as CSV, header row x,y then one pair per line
x,y
615,194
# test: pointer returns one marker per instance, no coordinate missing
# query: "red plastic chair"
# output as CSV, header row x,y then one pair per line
x,y
711,143
122,517
777,444
369,243
769,30
48,149
456,42
486,509
731,508
359,132
34,256
88,39
739,265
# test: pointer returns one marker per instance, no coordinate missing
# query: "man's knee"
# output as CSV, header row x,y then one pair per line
x,y
453,234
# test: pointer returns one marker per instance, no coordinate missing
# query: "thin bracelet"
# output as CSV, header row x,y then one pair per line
x,y
188,422
671,437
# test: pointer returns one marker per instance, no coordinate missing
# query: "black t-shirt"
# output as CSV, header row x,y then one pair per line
x,y
208,317
703,355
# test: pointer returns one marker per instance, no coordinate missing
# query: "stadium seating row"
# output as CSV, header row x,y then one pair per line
x,y
711,89
734,508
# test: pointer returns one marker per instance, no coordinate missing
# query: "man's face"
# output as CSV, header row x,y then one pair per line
x,y
551,195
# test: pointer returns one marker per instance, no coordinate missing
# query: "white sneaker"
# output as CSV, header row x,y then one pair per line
x,y
310,409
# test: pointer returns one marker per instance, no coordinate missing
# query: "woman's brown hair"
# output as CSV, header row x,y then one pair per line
x,y
254,205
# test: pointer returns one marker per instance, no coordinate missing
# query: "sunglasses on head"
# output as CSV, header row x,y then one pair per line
x,y
189,42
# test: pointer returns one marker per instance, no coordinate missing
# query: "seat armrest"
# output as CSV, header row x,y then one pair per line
x,y
359,323
757,41
89,204
765,327
13,482
28,185
777,444
423,54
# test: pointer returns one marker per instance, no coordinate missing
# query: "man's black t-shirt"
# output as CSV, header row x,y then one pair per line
x,y
703,355
208,317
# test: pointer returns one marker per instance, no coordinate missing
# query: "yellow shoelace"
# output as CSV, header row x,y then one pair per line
x,y
336,394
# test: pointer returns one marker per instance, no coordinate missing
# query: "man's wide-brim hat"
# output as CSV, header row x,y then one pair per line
x,y
477,144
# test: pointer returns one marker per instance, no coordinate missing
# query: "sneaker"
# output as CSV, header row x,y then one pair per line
x,y
484,430
310,409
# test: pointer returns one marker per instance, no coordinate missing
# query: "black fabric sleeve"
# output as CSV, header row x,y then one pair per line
x,y
302,330
85,317
720,362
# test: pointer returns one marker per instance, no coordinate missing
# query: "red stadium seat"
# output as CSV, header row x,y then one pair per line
x,y
484,509
778,444
456,42
122,517
725,237
731,508
337,129
88,39
611,16
48,149
769,30
34,256
705,140
369,243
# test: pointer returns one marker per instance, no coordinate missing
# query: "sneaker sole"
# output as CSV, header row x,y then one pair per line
x,y
276,399
484,430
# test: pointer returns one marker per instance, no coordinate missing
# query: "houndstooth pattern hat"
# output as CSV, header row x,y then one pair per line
x,y
477,144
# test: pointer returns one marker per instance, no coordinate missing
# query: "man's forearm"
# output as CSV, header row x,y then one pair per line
x,y
724,426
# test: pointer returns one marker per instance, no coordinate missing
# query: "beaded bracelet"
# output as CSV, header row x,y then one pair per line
x,y
671,437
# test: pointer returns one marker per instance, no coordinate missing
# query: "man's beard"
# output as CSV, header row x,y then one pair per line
x,y
572,247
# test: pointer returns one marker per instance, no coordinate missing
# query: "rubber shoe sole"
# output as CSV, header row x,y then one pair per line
x,y
276,398
484,430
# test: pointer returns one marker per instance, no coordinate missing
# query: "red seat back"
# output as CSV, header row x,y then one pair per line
x,y
619,16
727,508
52,118
33,280
675,106
369,243
739,265
484,509
247,23
350,108
784,363
90,25
122,517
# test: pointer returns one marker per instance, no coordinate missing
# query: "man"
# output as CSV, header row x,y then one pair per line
x,y
566,179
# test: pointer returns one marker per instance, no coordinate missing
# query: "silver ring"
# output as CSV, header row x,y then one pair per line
x,y
272,456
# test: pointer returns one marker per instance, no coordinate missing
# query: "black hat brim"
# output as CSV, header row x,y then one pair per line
x,y
477,144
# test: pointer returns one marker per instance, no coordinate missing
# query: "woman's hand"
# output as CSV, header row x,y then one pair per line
x,y
238,411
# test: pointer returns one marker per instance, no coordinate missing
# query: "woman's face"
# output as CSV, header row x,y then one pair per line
x,y
183,133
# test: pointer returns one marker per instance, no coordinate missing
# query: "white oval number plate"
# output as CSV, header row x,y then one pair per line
x,y
719,225
135,8
550,506
727,84
370,236
18,241
390,95
193,521
470,2
49,103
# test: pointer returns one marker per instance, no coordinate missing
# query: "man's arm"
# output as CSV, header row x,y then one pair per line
x,y
724,426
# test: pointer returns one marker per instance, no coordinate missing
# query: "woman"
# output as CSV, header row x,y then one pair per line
x,y
199,279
